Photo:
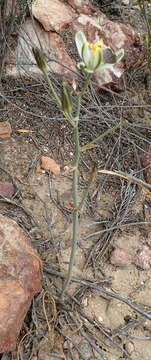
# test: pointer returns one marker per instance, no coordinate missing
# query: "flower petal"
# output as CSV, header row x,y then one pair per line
x,y
86,53
80,39
95,60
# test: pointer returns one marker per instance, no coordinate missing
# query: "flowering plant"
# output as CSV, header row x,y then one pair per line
x,y
94,57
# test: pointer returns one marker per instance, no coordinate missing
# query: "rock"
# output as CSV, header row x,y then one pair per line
x,y
63,18
32,34
52,14
83,6
120,257
20,280
49,164
67,199
129,347
143,258
7,189
116,36
5,129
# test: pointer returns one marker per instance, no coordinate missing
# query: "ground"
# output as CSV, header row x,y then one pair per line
x,y
95,320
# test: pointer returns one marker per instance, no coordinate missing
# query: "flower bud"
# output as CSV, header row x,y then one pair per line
x,y
66,100
39,57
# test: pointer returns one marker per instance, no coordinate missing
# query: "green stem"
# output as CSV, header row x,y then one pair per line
x,y
75,122
85,85
101,137
69,118
76,210
78,106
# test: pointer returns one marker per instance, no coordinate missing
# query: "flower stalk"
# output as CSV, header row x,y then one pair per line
x,y
75,230
92,60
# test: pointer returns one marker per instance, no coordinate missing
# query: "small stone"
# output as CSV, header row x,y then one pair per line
x,y
5,129
48,164
143,258
129,347
67,199
120,257
100,319
6,189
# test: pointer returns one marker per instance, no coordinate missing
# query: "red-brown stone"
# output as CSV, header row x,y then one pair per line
x,y
6,189
20,280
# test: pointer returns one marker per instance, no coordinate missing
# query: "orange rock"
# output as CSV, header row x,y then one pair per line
x,y
20,280
49,164
5,129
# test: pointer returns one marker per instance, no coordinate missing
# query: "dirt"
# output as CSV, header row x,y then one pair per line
x,y
90,323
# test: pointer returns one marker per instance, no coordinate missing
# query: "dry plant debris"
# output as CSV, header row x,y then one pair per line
x,y
107,313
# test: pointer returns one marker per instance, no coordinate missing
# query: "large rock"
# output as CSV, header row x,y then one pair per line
x,y
20,280
116,36
52,14
33,35
84,7
62,19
